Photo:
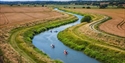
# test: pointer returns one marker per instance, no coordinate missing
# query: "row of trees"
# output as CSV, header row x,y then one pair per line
x,y
116,2
100,6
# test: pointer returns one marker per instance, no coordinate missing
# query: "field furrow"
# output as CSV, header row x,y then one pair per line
x,y
4,19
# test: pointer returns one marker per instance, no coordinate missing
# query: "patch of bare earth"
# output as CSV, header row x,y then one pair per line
x,y
12,17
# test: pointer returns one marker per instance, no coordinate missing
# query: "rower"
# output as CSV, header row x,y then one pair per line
x,y
65,52
51,31
52,46
56,31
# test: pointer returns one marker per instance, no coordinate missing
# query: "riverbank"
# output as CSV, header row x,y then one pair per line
x,y
92,46
21,39
16,17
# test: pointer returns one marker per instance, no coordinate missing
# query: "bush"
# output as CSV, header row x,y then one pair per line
x,y
86,19
42,5
83,7
88,7
74,7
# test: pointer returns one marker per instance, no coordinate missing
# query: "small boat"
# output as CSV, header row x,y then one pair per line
x,y
53,46
65,52
55,31
51,31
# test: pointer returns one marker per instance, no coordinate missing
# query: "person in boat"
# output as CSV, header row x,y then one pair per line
x,y
51,31
52,45
56,31
65,52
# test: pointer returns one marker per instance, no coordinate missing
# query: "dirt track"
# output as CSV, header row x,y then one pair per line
x,y
114,26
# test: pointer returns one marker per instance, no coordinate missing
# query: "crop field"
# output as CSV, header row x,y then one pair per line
x,y
114,26
16,15
101,38
18,25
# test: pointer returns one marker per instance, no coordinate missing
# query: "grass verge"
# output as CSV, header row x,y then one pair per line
x,y
21,40
92,47
98,49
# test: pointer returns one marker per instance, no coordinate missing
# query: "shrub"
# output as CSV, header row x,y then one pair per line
x,y
42,5
88,7
74,7
86,19
11,5
83,7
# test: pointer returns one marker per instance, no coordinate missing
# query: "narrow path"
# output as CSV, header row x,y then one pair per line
x,y
76,33
15,46
92,25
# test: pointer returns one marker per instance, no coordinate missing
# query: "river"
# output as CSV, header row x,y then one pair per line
x,y
43,41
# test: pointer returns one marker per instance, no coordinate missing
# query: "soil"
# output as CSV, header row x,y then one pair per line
x,y
15,15
114,26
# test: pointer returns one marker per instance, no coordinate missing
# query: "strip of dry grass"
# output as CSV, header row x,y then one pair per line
x,y
21,40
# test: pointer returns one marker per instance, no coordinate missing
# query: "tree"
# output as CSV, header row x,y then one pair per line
x,y
83,7
88,7
86,18
42,5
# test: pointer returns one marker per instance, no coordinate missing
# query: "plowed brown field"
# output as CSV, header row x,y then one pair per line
x,y
13,17
114,26
16,15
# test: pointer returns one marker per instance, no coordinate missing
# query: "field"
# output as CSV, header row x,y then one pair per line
x,y
114,26
107,47
17,15
11,18
101,40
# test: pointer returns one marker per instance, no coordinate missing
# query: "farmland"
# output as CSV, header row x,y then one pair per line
x,y
97,40
13,15
11,18
114,26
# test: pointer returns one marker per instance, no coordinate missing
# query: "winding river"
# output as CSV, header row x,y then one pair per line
x,y
43,41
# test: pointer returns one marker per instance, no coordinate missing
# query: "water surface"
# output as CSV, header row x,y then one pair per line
x,y
43,41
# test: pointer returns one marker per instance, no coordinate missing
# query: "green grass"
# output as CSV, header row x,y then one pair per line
x,y
98,49
21,40
92,47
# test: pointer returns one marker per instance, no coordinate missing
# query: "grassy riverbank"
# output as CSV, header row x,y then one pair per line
x,y
21,40
92,47
98,49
